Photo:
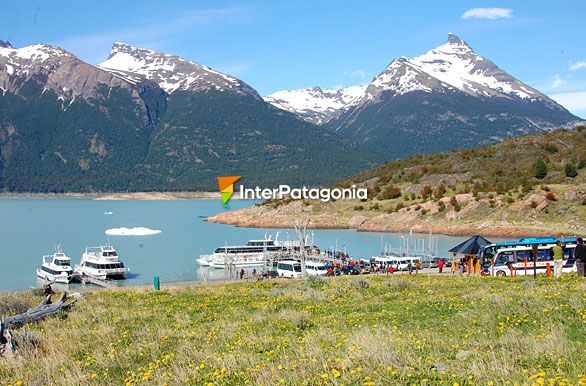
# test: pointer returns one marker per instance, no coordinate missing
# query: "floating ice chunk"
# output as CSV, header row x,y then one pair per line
x,y
136,231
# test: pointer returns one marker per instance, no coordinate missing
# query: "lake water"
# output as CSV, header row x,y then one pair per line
x,y
29,228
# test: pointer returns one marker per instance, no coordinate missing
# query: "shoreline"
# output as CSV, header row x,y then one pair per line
x,y
117,196
420,228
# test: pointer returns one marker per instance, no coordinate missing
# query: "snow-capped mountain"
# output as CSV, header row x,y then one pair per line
x,y
314,104
53,68
449,97
170,72
145,120
452,66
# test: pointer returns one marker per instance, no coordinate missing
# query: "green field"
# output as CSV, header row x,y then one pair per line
x,y
367,330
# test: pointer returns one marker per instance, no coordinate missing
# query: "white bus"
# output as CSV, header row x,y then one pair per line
x,y
518,260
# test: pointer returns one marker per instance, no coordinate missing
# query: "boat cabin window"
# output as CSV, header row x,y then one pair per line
x,y
62,262
108,254
53,272
105,266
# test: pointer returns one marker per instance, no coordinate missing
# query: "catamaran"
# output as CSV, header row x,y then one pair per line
x,y
101,263
254,253
56,268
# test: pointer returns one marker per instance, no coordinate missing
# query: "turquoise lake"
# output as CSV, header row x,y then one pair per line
x,y
30,228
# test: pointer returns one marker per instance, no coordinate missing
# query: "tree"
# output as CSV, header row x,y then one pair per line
x,y
540,169
301,230
571,171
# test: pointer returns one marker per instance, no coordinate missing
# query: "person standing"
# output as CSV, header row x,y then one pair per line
x,y
580,255
440,265
558,258
242,274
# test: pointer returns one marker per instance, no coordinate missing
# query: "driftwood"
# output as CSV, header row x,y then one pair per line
x,y
45,309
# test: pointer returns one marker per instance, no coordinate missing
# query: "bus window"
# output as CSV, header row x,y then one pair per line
x,y
505,257
544,255
522,255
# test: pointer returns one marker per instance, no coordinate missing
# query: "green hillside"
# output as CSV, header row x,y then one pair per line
x,y
531,185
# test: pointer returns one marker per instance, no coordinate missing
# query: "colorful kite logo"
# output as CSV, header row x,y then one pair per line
x,y
226,184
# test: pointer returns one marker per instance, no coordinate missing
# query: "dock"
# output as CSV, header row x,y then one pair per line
x,y
99,282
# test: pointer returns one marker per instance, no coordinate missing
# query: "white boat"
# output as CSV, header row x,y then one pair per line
x,y
204,260
238,260
255,253
101,263
56,268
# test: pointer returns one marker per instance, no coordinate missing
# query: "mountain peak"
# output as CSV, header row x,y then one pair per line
x,y
5,44
171,72
454,39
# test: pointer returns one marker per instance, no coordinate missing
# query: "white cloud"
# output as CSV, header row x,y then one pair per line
x,y
488,13
578,65
558,81
358,73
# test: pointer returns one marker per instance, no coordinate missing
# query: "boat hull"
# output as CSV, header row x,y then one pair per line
x,y
53,278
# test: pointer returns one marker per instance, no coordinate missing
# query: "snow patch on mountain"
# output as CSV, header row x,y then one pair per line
x,y
171,72
315,105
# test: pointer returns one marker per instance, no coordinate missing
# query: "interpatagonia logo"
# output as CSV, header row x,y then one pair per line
x,y
226,184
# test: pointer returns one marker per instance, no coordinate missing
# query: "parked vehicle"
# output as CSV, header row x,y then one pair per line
x,y
313,268
350,270
289,268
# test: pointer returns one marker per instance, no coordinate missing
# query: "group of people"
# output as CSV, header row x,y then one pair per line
x,y
467,264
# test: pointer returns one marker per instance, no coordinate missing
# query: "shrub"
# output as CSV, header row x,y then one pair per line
x,y
571,171
540,169
550,148
376,206
426,191
551,196
582,164
399,206
358,207
509,200
455,204
390,192
439,191
423,212
545,188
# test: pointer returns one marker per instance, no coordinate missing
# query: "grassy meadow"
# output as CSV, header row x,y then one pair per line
x,y
366,330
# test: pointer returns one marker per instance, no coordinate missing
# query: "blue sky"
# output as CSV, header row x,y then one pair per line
x,y
274,45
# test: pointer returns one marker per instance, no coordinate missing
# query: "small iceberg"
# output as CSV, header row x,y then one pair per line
x,y
136,231
108,213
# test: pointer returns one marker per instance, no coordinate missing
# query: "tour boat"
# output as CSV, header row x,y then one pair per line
x,y
101,263
255,253
56,268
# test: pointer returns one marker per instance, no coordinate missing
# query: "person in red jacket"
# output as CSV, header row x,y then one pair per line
x,y
440,265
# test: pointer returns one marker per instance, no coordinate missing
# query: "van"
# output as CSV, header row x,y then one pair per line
x,y
313,268
404,262
289,268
